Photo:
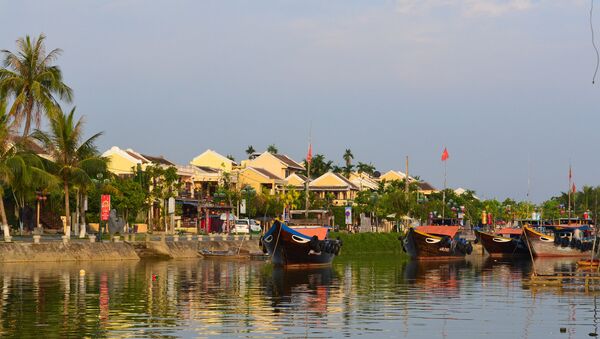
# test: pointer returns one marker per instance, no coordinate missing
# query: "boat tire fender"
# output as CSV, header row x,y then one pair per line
x,y
314,243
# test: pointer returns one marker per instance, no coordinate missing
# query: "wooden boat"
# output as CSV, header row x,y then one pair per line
x,y
560,241
300,246
435,243
506,242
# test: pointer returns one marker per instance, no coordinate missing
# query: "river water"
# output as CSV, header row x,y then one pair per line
x,y
379,296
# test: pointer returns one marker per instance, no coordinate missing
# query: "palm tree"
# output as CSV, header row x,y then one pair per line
x,y
272,149
348,156
250,150
73,161
20,170
32,81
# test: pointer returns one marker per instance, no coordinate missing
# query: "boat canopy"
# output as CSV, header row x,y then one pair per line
x,y
569,228
510,231
449,231
320,232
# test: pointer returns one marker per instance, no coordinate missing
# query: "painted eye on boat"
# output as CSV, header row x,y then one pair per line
x,y
432,241
300,240
501,239
546,239
269,238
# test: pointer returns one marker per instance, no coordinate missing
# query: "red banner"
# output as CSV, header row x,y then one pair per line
x,y
104,207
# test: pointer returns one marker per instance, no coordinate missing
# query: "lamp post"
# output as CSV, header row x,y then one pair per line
x,y
39,197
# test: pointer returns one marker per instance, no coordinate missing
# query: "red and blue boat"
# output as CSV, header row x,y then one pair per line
x,y
298,246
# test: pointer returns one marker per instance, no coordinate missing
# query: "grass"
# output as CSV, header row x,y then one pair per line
x,y
362,243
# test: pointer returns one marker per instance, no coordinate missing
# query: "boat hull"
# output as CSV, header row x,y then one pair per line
x,y
542,245
423,246
502,247
288,248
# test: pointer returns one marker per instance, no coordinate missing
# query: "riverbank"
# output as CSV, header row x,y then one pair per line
x,y
60,252
365,243
79,250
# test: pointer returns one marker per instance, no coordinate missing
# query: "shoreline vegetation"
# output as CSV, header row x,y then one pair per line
x,y
58,173
354,244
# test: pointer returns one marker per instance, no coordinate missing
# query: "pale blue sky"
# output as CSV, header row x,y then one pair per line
x,y
500,83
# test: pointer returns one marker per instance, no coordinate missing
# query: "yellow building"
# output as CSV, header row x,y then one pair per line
x,y
343,190
260,179
392,175
214,160
296,180
364,181
279,164
124,162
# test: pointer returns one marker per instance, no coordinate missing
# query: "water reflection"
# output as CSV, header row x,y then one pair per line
x,y
377,296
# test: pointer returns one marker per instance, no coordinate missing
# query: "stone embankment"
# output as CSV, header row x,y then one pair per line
x,y
171,248
59,251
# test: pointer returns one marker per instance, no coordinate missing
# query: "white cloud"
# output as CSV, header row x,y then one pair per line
x,y
466,7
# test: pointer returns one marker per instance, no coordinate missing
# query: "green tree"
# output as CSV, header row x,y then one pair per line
x,y
362,167
17,167
250,150
32,81
319,166
73,160
272,149
348,156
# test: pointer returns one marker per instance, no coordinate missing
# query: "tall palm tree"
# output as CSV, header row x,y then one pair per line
x,y
74,161
32,81
348,156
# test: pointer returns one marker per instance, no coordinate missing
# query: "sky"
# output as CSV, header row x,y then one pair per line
x,y
505,85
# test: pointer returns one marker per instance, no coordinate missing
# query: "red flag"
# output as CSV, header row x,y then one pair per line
x,y
309,154
445,154
573,188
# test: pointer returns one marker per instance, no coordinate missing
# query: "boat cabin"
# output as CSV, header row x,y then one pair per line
x,y
310,218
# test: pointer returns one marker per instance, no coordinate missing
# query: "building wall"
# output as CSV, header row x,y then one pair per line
x,y
390,176
270,163
120,165
214,160
257,181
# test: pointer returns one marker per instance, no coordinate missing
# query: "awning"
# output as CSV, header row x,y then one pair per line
x,y
449,231
510,231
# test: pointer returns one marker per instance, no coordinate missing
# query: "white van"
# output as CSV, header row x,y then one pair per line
x,y
246,226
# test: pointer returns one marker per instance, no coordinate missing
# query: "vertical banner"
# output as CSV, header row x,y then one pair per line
x,y
348,214
104,207
243,206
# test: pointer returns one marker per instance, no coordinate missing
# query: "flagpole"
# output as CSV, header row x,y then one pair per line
x,y
308,162
444,193
569,195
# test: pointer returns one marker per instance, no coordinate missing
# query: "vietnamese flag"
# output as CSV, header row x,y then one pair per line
x,y
309,154
445,154
573,188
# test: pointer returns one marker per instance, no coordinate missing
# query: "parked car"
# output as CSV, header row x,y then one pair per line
x,y
246,226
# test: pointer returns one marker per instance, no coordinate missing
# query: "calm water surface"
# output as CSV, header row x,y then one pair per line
x,y
373,297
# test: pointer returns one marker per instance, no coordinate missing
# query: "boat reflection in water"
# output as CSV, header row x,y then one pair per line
x,y
437,277
308,289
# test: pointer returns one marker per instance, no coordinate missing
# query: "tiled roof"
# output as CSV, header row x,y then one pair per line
x,y
289,162
158,160
266,173
425,186
207,169
137,156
